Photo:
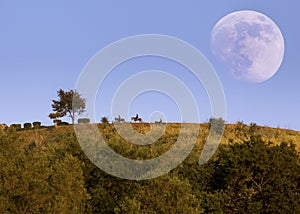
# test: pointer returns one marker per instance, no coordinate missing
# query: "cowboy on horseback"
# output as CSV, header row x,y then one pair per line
x,y
136,118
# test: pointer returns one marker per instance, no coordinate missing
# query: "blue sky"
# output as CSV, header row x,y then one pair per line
x,y
44,45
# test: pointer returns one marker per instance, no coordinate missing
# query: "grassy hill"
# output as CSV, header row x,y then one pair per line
x,y
255,169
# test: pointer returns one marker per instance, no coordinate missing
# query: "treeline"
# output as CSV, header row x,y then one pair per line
x,y
45,171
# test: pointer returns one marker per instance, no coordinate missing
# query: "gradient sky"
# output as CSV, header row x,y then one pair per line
x,y
44,45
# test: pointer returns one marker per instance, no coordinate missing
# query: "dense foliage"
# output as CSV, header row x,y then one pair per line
x,y
255,170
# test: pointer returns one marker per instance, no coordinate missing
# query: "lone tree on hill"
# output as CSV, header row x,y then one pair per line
x,y
69,103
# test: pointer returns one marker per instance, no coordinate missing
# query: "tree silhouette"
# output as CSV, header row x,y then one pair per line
x,y
70,103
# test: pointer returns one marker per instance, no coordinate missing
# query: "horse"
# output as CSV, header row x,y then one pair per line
x,y
137,118
158,122
119,119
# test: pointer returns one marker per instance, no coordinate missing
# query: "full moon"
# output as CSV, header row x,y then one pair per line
x,y
249,44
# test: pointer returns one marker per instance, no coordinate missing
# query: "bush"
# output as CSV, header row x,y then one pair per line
x,y
104,120
63,124
217,125
16,126
83,120
27,126
36,125
56,122
60,123
3,126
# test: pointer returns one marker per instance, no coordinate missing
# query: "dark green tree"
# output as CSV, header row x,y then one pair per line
x,y
255,177
69,103
32,181
166,194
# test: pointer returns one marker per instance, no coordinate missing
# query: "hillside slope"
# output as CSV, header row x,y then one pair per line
x,y
255,169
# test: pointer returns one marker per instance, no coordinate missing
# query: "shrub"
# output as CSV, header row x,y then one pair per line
x,y
63,124
3,126
36,125
60,123
56,122
16,126
104,120
83,120
27,126
217,124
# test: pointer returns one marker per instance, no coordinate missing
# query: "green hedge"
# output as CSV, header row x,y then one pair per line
x,y
63,124
83,120
16,126
27,126
56,122
36,125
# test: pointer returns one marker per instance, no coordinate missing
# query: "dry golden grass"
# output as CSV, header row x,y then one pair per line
x,y
232,133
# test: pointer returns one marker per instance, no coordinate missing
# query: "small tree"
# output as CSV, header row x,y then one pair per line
x,y
69,103
104,120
